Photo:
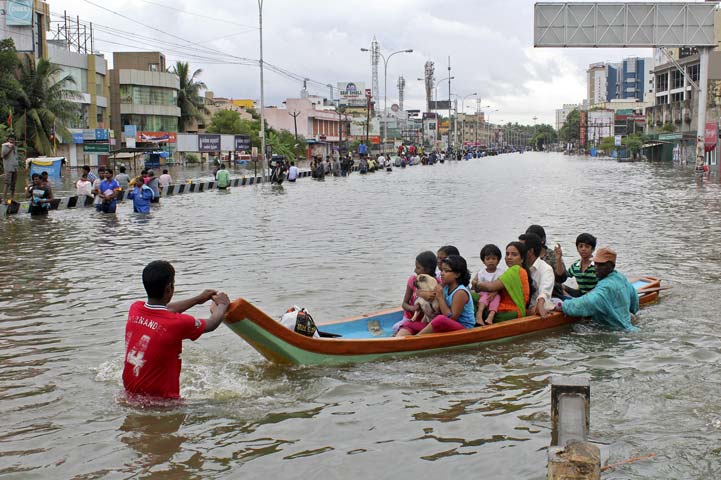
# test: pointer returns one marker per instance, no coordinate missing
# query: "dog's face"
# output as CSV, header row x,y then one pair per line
x,y
426,283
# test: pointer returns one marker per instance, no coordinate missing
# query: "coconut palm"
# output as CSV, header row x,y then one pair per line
x,y
44,105
189,99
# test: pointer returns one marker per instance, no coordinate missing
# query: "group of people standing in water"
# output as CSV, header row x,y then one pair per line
x,y
531,284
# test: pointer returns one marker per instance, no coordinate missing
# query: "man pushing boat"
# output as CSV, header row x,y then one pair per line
x,y
155,331
612,301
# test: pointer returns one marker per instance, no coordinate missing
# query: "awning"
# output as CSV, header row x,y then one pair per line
x,y
653,144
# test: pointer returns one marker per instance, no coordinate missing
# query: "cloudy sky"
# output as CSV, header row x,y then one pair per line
x,y
490,43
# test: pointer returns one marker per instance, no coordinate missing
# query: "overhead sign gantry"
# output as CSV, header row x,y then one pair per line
x,y
632,25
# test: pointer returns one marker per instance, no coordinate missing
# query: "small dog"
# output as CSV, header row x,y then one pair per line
x,y
425,283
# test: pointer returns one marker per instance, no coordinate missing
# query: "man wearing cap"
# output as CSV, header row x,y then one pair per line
x,y
612,301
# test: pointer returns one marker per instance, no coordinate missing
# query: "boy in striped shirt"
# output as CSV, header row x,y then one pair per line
x,y
582,270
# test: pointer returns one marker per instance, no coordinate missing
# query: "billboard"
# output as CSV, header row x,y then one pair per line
x,y
156,137
208,142
242,143
19,13
710,136
440,104
351,90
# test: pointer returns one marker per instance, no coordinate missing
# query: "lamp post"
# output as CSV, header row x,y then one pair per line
x,y
463,122
385,89
488,123
262,97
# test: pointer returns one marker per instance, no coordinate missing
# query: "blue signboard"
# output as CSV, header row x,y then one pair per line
x,y
52,165
102,134
19,12
130,131
77,138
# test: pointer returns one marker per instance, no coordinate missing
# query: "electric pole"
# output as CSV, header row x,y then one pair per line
x,y
295,123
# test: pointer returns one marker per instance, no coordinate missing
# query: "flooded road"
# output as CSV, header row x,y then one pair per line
x,y
342,247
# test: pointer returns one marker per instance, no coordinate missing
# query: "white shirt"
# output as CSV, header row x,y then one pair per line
x,y
83,187
543,278
165,180
382,161
292,172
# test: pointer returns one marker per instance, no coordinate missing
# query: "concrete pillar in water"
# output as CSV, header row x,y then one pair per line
x,y
571,456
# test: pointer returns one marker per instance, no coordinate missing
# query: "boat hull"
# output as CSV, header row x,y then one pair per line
x,y
369,337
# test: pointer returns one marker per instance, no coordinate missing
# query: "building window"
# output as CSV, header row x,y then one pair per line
x,y
662,82
676,79
677,97
692,72
79,76
662,100
151,123
141,95
153,67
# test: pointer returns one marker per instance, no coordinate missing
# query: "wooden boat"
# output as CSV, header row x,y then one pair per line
x,y
369,337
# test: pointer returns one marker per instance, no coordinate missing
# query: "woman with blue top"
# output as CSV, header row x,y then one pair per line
x,y
454,298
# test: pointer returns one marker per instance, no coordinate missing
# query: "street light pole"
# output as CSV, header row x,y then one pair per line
x,y
463,122
262,97
385,90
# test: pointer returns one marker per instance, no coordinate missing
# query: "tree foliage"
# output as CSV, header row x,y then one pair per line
x,y
44,105
10,89
190,102
570,132
281,142
544,135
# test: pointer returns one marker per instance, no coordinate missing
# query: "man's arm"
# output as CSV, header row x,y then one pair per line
x,y
584,306
634,300
182,305
217,312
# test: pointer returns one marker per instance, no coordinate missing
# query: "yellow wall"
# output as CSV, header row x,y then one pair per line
x,y
244,103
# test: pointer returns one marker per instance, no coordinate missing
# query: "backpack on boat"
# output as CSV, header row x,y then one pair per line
x,y
300,321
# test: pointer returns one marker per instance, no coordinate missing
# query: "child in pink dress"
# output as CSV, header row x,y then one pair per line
x,y
490,256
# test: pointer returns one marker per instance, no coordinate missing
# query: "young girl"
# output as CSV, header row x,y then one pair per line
x,y
444,252
513,285
453,297
425,263
490,256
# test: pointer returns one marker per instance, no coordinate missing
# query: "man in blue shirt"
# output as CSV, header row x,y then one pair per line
x,y
108,192
612,301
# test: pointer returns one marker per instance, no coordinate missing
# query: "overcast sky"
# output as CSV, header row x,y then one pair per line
x,y
490,43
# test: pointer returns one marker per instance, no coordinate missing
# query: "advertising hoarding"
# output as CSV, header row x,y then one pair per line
x,y
19,13
208,143
156,137
242,143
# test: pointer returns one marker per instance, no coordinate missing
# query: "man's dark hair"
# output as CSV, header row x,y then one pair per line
x,y
157,275
165,170
86,168
11,136
109,170
35,175
538,230
122,169
586,238
533,243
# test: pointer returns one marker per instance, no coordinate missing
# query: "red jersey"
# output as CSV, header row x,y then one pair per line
x,y
153,344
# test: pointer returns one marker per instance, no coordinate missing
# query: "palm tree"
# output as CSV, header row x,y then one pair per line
x,y
44,105
189,99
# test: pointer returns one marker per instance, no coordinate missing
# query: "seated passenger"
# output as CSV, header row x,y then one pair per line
x,y
454,300
513,285
542,276
491,257
425,263
582,270
444,252
612,301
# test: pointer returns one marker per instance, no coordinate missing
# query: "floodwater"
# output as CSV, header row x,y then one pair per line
x,y
341,247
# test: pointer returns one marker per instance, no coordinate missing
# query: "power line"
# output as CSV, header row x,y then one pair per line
x,y
198,14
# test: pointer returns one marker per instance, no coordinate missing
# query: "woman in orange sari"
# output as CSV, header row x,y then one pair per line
x,y
514,285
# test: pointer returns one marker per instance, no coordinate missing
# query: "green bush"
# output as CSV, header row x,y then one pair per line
x,y
192,158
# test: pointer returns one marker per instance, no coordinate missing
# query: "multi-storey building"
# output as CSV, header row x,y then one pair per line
x,y
624,80
562,114
143,95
